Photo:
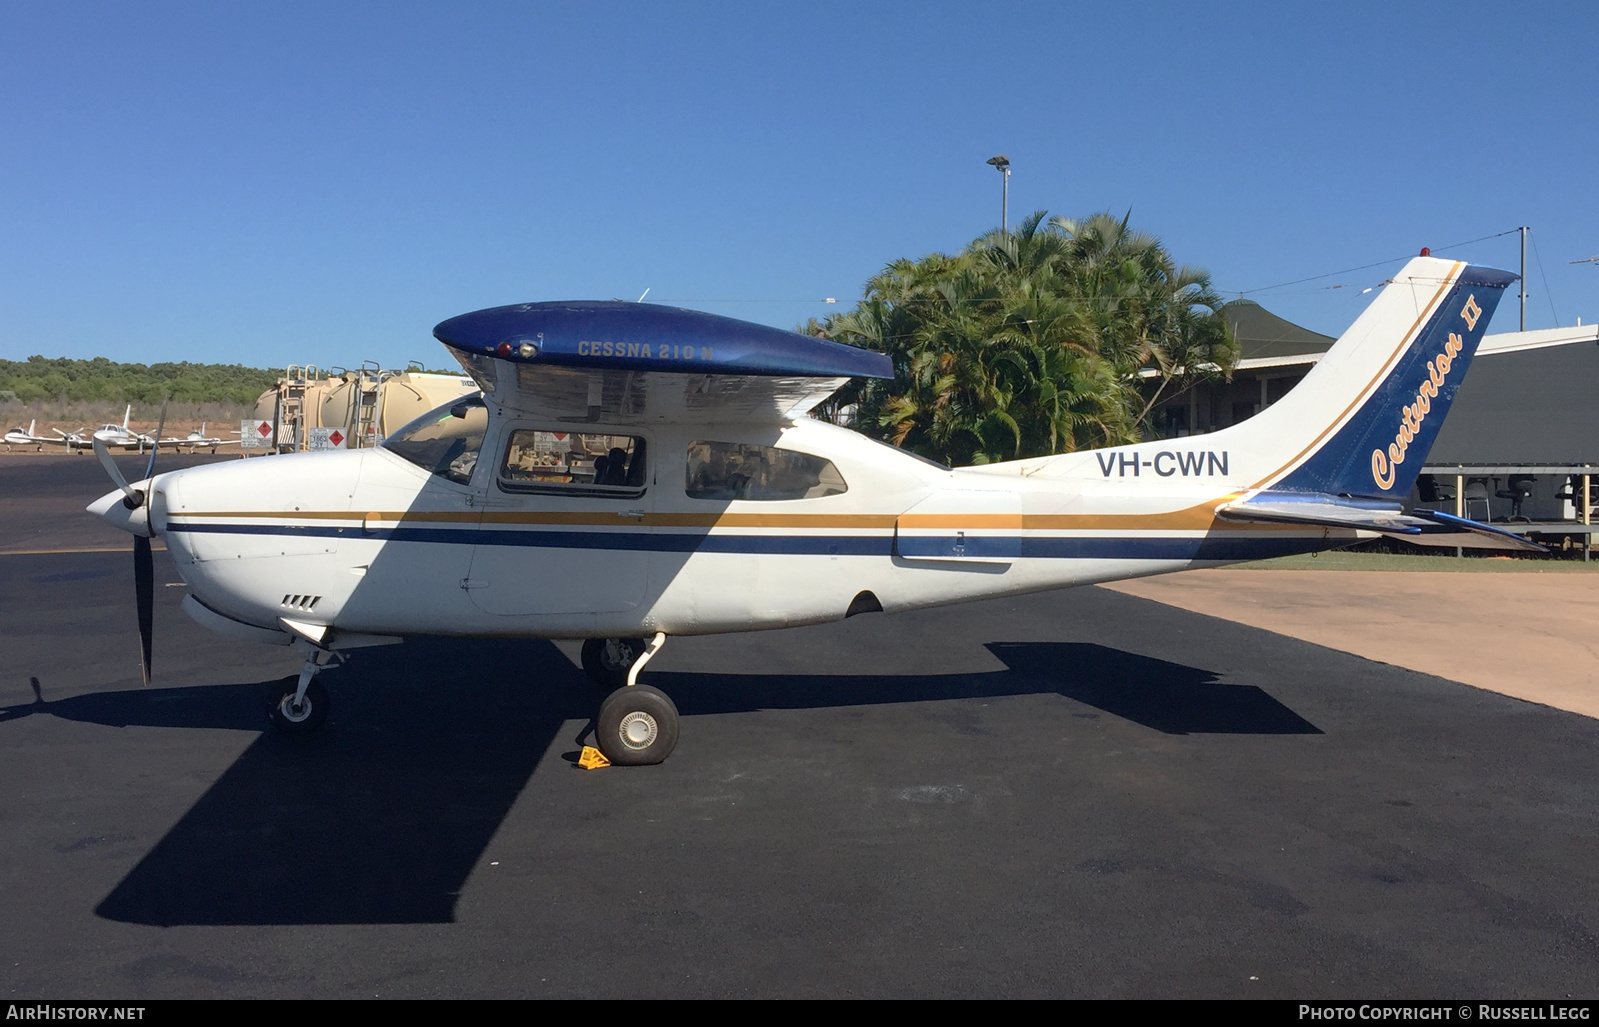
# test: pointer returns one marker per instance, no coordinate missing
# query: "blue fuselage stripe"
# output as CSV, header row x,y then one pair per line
x,y
1215,547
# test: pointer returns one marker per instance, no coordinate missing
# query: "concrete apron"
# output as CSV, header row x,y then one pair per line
x,y
1530,636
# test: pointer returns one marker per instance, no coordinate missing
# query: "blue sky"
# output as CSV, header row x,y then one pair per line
x,y
275,183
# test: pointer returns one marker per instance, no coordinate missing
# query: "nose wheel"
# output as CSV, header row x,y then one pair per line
x,y
299,705
294,713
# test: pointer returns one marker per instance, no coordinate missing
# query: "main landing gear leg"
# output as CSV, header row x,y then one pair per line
x,y
299,706
637,724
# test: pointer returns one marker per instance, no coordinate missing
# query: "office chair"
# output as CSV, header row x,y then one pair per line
x,y
1520,491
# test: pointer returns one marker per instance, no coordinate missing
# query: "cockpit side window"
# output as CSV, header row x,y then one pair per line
x,y
737,470
574,463
445,441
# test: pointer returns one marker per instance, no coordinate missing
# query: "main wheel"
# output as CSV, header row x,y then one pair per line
x,y
637,726
607,660
300,718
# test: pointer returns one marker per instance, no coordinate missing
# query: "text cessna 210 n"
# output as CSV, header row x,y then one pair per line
x,y
634,472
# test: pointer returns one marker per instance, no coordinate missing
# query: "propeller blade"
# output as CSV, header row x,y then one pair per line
x,y
144,588
149,468
104,456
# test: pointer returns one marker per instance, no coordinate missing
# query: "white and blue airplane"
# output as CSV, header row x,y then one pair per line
x,y
633,472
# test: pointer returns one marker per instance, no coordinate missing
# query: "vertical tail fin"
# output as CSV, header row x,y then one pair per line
x,y
1373,405
125,415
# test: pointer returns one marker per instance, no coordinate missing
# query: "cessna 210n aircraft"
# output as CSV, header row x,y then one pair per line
x,y
634,472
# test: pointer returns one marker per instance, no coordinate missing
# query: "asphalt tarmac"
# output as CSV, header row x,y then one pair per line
x,y
1075,794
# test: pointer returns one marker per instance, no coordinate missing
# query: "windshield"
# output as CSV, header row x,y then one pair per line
x,y
446,440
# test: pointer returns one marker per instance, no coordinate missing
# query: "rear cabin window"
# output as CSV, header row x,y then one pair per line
x,y
737,470
573,463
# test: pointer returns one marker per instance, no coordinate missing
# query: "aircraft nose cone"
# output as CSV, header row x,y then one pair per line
x,y
113,509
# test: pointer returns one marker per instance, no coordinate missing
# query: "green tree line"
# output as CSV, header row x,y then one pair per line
x,y
1057,336
41,378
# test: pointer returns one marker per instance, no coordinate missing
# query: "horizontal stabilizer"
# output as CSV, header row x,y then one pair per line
x,y
1486,536
1422,528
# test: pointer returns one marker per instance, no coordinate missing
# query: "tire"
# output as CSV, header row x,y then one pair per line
x,y
637,726
312,714
607,660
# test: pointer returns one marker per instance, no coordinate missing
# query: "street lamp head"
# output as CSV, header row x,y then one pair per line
x,y
1001,162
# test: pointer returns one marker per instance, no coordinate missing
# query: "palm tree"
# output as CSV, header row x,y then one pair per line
x,y
1156,320
1029,342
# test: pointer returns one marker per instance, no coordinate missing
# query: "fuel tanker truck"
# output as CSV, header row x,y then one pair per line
x,y
366,405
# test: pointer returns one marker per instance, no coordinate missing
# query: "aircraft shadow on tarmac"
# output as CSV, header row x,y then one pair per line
x,y
382,818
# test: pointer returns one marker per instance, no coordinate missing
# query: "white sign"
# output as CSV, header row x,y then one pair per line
x,y
255,434
323,439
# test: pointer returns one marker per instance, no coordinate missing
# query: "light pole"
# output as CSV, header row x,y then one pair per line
x,y
1524,230
1002,165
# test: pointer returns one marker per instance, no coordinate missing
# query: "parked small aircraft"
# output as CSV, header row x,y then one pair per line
x,y
198,440
120,435
115,436
20,436
633,471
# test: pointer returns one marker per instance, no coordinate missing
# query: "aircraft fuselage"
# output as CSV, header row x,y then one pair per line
x,y
368,543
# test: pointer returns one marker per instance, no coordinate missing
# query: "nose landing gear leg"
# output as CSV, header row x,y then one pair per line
x,y
299,706
637,724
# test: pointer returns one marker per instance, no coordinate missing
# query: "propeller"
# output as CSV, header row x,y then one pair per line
x,y
144,591
143,561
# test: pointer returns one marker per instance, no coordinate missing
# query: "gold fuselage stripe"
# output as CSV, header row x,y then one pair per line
x,y
1201,517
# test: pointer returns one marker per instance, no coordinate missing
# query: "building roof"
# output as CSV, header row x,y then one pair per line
x,y
1264,335
1267,341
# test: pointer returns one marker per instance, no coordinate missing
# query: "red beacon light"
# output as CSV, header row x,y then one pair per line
x,y
527,350
1426,251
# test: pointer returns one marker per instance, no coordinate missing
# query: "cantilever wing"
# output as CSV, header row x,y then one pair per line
x,y
644,362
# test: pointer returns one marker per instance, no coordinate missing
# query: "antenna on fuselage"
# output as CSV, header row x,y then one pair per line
x,y
641,296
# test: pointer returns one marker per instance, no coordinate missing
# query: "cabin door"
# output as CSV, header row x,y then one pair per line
x,y
562,529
